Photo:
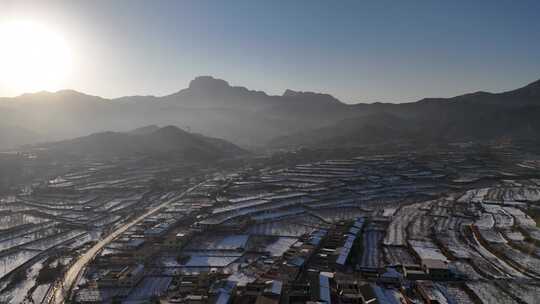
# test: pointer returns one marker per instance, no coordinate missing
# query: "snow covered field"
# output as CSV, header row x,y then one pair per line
x,y
281,245
148,287
217,242
11,220
13,259
489,293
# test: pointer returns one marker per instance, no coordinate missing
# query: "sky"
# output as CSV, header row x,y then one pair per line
x,y
358,51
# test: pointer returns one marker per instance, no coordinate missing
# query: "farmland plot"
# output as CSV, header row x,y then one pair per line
x,y
50,242
427,250
281,245
485,221
388,212
292,227
441,211
533,233
22,289
396,233
108,205
486,268
503,220
26,230
451,242
107,220
491,236
398,255
28,238
527,248
522,194
13,259
217,242
457,294
420,228
489,293
82,239
501,266
521,219
148,287
527,262
40,292
514,236
527,293
466,269
123,205
479,195
281,228
371,255
210,261
332,215
443,224
495,194
467,196
11,220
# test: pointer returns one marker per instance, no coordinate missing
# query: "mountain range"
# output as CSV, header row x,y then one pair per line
x,y
249,118
476,116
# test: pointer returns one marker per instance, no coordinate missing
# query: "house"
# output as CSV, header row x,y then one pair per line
x,y
367,294
414,272
430,293
195,299
391,277
89,296
348,289
325,292
299,293
178,241
128,276
271,293
436,269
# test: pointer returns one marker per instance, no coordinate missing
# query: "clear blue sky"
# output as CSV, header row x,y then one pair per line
x,y
359,51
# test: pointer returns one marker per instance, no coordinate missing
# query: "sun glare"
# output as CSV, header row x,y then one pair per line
x,y
32,58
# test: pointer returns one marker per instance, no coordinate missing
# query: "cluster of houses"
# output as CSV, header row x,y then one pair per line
x,y
383,229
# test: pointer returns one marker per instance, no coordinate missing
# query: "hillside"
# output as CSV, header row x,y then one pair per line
x,y
169,142
477,116
13,136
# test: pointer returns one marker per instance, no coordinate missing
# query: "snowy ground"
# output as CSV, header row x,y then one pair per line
x,y
219,242
148,287
489,293
281,245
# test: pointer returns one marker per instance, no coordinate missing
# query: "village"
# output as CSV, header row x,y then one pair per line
x,y
451,226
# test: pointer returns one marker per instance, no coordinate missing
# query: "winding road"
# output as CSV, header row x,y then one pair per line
x,y
62,291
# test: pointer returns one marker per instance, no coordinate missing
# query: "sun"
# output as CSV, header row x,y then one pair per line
x,y
32,58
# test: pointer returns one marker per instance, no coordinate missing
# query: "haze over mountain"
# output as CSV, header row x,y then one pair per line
x,y
252,118
208,106
11,136
169,141
476,116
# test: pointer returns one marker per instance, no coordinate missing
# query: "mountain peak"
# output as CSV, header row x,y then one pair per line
x,y
310,95
58,96
171,129
208,83
144,130
527,94
289,92
535,84
69,92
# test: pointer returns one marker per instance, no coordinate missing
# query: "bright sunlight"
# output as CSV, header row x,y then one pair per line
x,y
32,57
